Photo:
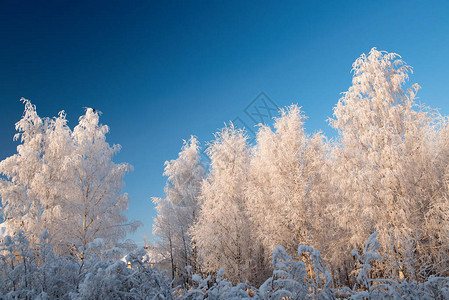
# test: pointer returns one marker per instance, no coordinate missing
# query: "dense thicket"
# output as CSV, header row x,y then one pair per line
x,y
364,215
386,172
38,273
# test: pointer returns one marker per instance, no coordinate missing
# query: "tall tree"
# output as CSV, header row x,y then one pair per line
x,y
165,229
286,193
95,200
384,164
179,210
21,207
222,233
437,213
65,182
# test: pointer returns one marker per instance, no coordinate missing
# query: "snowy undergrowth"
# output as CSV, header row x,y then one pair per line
x,y
308,278
37,273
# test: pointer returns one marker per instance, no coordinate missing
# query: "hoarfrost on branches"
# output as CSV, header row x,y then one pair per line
x,y
369,208
64,181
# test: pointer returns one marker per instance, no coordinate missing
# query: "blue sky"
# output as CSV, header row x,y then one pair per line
x,y
163,70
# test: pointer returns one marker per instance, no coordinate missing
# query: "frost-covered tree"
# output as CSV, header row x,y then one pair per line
x,y
64,181
222,233
95,205
285,190
179,210
164,228
21,207
385,165
437,212
52,183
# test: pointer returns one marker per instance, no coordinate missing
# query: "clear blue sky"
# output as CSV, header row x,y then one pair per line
x,y
163,70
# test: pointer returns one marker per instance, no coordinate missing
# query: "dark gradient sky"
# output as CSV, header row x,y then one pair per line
x,y
163,70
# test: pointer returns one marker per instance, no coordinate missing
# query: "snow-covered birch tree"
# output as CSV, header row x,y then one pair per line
x,y
384,164
222,233
65,182
165,229
437,213
96,203
286,193
180,208
21,207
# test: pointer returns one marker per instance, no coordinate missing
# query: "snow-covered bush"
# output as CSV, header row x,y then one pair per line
x,y
220,289
38,273
297,279
308,278
33,273
384,288
112,279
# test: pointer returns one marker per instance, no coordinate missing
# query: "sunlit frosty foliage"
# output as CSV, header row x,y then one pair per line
x,y
368,209
64,181
386,172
